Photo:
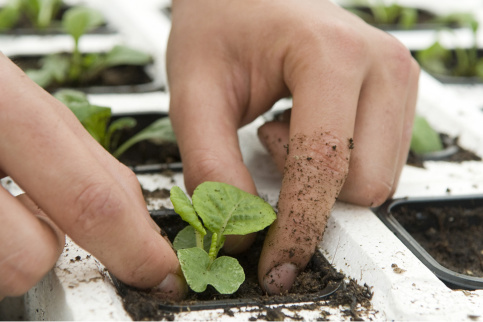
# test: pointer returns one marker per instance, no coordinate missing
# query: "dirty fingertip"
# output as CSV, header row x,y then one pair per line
x,y
280,278
173,287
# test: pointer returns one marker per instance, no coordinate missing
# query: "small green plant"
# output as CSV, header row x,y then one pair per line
x,y
78,68
457,62
382,14
97,121
39,13
218,209
424,138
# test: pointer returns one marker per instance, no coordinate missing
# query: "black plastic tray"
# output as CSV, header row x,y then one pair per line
x,y
144,119
170,222
451,278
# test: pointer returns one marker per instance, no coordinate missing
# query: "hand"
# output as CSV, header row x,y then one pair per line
x,y
74,186
354,90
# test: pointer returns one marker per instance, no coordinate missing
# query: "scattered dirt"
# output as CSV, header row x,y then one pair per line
x,y
450,234
156,194
319,273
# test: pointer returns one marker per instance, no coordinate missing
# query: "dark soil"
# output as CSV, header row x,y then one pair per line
x,y
117,76
146,152
451,234
459,156
318,274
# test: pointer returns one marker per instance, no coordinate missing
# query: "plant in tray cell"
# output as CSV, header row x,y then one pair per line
x,y
424,138
96,120
217,209
458,62
379,13
39,13
76,68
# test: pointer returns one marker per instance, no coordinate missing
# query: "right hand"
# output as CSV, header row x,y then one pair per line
x,y
72,186
230,61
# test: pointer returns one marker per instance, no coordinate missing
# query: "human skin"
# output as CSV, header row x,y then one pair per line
x,y
354,92
72,186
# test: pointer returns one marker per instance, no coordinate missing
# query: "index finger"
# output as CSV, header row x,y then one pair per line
x,y
321,130
68,179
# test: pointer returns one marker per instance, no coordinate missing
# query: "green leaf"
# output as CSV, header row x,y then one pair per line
x,y
54,68
225,273
479,68
159,132
94,118
122,55
434,59
72,97
124,123
424,138
186,238
184,208
46,12
408,18
9,15
79,20
227,210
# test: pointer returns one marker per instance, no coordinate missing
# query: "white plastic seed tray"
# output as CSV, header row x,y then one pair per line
x,y
355,241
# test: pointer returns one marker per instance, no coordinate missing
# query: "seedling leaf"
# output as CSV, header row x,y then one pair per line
x,y
159,131
122,55
199,271
227,210
94,118
79,20
186,239
424,138
184,208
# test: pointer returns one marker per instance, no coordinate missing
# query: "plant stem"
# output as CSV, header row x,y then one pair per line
x,y
214,247
199,239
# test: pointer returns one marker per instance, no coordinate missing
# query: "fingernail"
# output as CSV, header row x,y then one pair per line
x,y
173,287
280,279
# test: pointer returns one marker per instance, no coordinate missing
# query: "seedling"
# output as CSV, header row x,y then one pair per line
x,y
382,14
424,138
38,12
459,62
218,209
78,68
96,120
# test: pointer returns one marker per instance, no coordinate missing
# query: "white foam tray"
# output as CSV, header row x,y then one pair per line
x,y
355,241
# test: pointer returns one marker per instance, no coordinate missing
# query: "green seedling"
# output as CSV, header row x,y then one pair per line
x,y
217,210
77,68
97,121
424,138
457,62
382,14
39,13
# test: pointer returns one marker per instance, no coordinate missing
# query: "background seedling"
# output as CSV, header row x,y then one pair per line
x,y
457,62
383,14
96,120
424,138
218,209
77,68
39,13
